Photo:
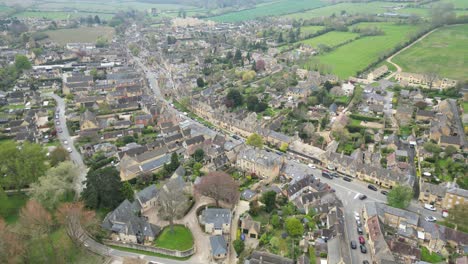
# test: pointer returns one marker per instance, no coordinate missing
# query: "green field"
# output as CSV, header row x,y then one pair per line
x,y
271,9
181,239
346,60
5,9
82,34
461,4
445,51
307,30
11,205
349,8
61,14
330,39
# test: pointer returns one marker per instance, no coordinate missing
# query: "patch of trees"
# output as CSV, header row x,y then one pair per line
x,y
220,186
171,40
234,98
255,140
400,196
254,105
368,31
103,189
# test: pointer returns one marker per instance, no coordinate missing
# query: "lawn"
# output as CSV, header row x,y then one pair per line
x,y
349,8
348,59
11,205
277,8
82,34
465,107
181,239
330,39
431,258
307,30
444,51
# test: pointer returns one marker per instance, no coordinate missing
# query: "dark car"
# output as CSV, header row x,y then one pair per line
x,y
334,174
347,179
359,230
372,187
326,174
353,245
365,262
363,249
384,192
362,197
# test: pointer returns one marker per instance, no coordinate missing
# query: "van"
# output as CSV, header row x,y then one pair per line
x,y
429,207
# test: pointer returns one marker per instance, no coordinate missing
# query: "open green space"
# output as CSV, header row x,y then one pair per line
x,y
330,39
307,30
180,239
348,59
107,7
61,14
346,8
82,34
10,206
431,258
277,8
459,4
4,10
444,51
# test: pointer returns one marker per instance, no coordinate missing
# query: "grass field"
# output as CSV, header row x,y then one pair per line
x,y
444,51
61,14
181,239
82,34
271,9
307,30
5,9
108,6
330,39
357,55
462,4
349,8
11,205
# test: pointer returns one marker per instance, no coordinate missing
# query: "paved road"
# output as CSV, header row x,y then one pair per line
x,y
75,156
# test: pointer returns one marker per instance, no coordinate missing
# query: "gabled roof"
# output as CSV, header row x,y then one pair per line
x,y
216,216
147,193
218,245
260,257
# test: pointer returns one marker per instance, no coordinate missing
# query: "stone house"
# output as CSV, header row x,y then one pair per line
x,y
88,121
377,73
454,196
432,194
216,221
249,227
259,162
219,247
147,197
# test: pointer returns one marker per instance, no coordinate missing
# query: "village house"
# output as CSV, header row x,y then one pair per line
x,y
377,73
454,196
216,221
259,162
261,257
432,193
249,227
219,247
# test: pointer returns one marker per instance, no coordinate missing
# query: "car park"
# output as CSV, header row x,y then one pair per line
x,y
347,179
363,249
353,245
430,219
372,187
362,197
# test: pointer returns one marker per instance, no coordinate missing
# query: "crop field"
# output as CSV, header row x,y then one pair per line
x,y
5,9
271,9
82,34
346,60
349,8
461,4
307,30
330,39
444,51
61,14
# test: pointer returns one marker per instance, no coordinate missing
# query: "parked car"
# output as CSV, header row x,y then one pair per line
x,y
357,217
363,249
69,150
326,174
429,207
358,222
65,142
359,230
384,192
356,214
365,262
372,187
430,219
312,166
58,122
347,179
334,174
362,197
353,245
362,240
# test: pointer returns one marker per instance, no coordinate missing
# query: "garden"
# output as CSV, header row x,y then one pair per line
x,y
180,238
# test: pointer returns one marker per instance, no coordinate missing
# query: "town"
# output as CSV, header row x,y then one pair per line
x,y
180,139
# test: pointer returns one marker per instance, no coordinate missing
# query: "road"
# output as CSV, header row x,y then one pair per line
x,y
75,156
389,59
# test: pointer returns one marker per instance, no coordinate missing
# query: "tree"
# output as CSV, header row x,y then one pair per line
x,y
235,97
280,38
199,155
458,215
103,189
249,75
22,63
252,102
238,246
269,199
172,202
431,147
259,65
442,13
255,140
76,219
294,227
59,154
275,221
284,147
328,85
200,82
197,166
237,56
220,186
175,163
55,184
400,196
11,245
21,165
127,191
450,150
97,20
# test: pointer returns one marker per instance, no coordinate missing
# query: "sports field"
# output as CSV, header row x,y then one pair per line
x,y
444,51
82,34
330,39
278,8
346,60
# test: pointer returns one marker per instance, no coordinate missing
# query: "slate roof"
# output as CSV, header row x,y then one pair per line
x,y
260,257
216,216
374,208
218,245
154,164
147,193
248,194
195,140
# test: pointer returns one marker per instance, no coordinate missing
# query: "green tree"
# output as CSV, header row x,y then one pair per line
x,y
255,140
284,147
175,163
200,82
197,166
431,147
450,150
59,154
400,196
21,165
275,221
280,38
127,191
199,155
22,63
234,98
294,227
458,215
269,199
238,246
252,102
103,189
51,188
237,56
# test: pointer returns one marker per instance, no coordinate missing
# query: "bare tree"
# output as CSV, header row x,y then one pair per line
x,y
220,186
430,77
172,202
11,246
75,218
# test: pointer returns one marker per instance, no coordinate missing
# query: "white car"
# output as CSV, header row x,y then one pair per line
x,y
356,214
69,150
357,217
311,166
429,207
430,219
65,142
